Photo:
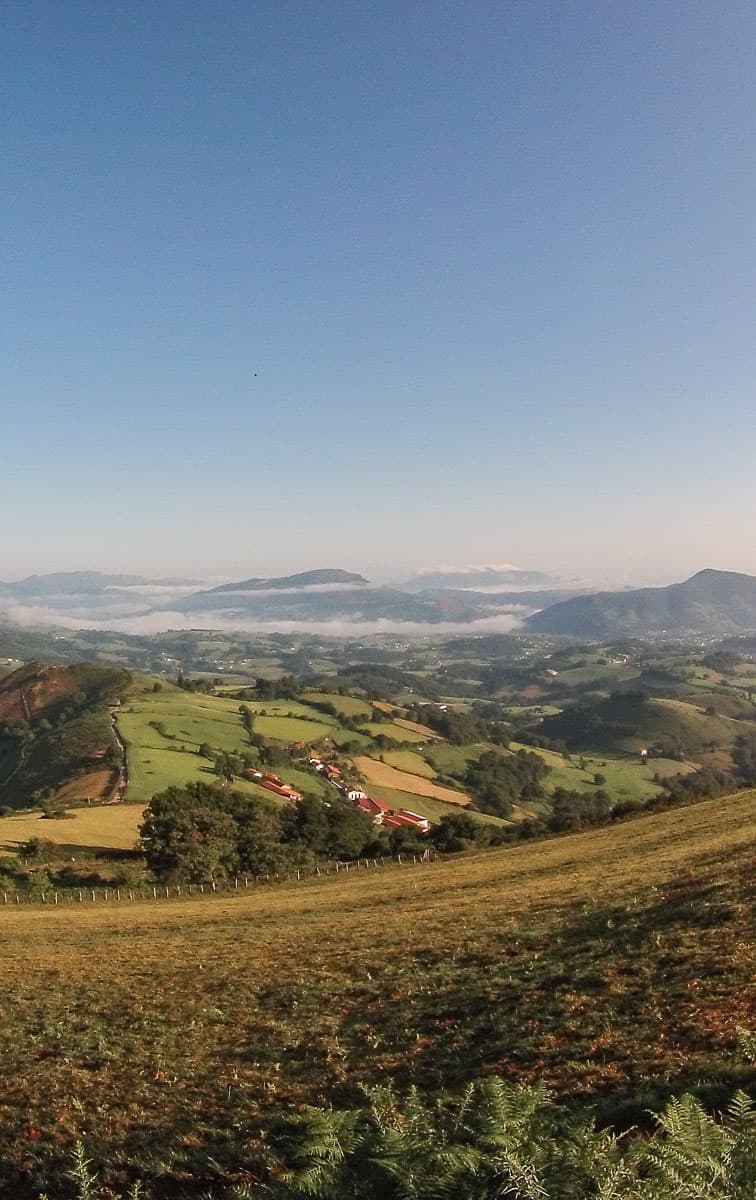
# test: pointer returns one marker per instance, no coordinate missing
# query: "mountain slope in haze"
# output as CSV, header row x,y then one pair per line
x,y
78,583
357,601
329,594
711,602
324,577
67,583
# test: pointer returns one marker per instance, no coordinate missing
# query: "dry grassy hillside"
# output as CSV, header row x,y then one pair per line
x,y
615,965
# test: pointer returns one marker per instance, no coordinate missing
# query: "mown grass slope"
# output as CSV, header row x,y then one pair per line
x,y
615,965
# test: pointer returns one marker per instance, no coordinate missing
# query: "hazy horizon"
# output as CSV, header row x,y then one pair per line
x,y
188,580
378,285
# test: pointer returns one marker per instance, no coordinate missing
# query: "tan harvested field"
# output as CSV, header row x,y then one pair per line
x,y
106,827
386,776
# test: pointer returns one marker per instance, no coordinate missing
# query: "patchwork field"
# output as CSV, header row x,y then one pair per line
x,y
164,730
376,772
613,965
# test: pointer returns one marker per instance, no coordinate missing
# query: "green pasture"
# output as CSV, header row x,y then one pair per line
x,y
152,769
596,673
407,760
296,729
626,777
346,706
157,760
305,781
189,718
452,760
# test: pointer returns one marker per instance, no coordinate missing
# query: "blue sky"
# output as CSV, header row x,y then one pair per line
x,y
378,285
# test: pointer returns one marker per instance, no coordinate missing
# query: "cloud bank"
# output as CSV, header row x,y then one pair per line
x,y
149,624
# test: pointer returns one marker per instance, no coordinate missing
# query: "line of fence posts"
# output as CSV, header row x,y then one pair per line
x,y
160,891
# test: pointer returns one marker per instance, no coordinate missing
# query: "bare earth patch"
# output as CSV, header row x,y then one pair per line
x,y
93,785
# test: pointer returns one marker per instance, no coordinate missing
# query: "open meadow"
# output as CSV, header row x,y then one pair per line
x,y
102,827
614,965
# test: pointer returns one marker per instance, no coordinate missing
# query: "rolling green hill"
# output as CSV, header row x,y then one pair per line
x,y
628,721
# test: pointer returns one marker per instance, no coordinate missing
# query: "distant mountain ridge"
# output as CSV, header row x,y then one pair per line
x,y
331,594
324,577
710,602
78,583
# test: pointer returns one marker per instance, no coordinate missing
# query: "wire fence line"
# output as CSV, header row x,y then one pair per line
x,y
13,898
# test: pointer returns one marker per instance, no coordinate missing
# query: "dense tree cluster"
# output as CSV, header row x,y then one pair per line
x,y
200,833
724,661
498,781
573,810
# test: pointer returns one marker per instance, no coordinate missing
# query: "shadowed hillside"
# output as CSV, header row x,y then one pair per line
x,y
55,729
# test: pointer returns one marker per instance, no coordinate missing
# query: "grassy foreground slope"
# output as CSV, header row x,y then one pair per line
x,y
615,965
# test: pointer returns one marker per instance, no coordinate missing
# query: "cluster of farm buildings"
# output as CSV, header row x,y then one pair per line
x,y
380,812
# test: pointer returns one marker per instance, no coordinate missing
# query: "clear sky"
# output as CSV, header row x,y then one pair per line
x,y
295,283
